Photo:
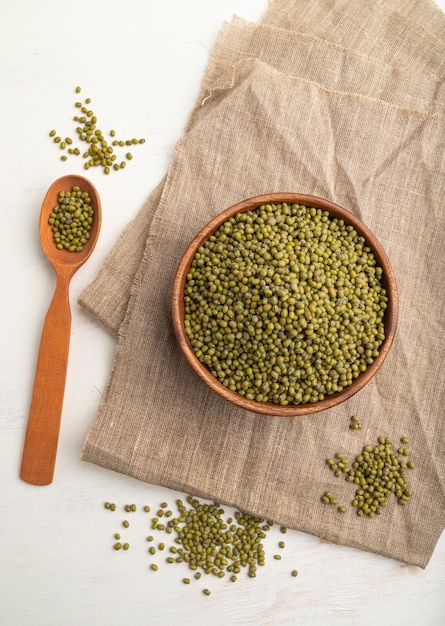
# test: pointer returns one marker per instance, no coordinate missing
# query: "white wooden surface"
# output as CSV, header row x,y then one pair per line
x,y
142,64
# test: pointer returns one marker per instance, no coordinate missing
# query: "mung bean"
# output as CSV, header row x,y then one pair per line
x,y
377,471
285,304
71,219
99,149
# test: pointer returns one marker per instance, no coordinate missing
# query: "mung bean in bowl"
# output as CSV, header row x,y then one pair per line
x,y
285,304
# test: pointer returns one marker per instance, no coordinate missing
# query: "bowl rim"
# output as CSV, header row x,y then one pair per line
x,y
269,408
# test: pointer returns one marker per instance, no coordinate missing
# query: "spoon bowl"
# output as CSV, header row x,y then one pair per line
x,y
70,261
42,433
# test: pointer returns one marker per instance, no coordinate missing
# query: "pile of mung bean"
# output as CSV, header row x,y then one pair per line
x,y
377,471
71,219
285,304
100,151
203,539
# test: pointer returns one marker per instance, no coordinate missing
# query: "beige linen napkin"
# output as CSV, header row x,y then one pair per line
x,y
157,421
300,54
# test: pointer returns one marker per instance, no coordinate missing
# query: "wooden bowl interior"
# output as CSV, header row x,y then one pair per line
x,y
269,408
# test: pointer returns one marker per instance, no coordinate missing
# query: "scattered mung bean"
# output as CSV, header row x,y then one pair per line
x,y
355,423
377,471
205,541
99,152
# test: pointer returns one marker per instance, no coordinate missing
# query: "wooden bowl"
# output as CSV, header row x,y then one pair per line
x,y
269,408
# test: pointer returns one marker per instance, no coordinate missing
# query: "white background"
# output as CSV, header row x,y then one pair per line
x,y
141,63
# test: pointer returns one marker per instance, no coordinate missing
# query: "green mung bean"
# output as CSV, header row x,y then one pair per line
x,y
285,304
88,132
355,423
71,219
377,471
206,542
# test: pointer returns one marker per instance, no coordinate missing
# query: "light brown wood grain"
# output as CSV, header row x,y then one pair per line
x,y
269,408
42,433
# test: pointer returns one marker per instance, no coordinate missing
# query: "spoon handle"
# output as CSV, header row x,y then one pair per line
x,y
42,433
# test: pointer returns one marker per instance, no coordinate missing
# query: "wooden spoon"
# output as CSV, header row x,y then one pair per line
x,y
42,434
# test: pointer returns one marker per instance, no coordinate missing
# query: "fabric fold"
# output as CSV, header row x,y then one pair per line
x,y
369,27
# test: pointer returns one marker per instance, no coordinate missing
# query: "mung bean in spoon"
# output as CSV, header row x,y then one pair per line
x,y
42,434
